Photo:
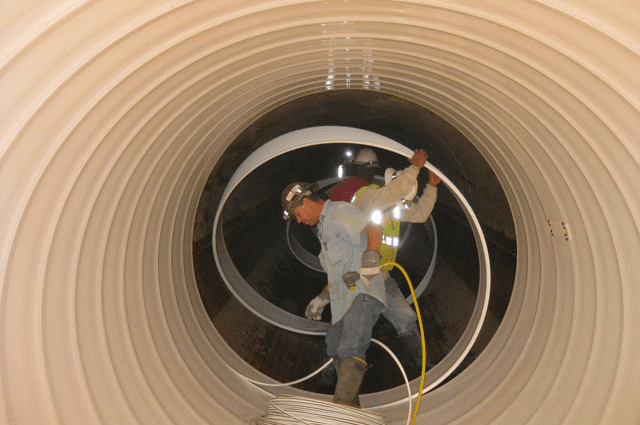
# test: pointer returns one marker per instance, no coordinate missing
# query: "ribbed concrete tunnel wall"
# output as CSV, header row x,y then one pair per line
x,y
114,114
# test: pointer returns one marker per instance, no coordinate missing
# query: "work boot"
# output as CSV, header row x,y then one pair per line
x,y
350,373
411,345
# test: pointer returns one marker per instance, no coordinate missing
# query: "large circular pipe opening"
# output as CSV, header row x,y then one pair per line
x,y
263,235
115,114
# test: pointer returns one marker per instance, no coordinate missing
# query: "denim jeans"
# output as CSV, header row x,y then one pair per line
x,y
351,336
398,311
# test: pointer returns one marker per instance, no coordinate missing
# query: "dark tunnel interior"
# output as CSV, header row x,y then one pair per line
x,y
256,237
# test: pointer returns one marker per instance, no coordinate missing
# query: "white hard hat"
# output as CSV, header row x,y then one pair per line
x,y
366,157
292,196
390,174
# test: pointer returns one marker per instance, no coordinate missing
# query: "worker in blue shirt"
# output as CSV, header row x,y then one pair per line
x,y
391,198
349,255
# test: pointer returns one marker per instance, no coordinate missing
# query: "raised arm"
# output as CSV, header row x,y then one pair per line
x,y
386,196
420,211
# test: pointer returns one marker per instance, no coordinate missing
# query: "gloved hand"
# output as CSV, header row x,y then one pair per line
x,y
419,158
434,180
316,306
369,265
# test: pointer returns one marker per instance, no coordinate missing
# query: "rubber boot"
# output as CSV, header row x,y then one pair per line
x,y
350,373
411,345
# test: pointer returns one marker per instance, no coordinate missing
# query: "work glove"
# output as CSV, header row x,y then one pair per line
x,y
419,158
369,265
316,306
434,180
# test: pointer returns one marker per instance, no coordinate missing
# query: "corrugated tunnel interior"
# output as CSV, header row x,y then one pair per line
x,y
121,122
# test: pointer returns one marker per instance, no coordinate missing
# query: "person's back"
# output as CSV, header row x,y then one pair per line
x,y
382,198
345,190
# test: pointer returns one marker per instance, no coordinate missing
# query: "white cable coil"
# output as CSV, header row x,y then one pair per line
x,y
290,410
286,410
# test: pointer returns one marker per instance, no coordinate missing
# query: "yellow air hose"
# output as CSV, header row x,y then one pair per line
x,y
424,350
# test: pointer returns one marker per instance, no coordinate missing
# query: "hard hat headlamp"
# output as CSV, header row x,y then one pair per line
x,y
293,196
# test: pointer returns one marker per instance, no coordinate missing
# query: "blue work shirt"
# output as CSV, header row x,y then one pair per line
x,y
342,238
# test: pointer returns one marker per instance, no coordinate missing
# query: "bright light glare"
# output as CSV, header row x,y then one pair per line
x,y
340,172
376,216
396,212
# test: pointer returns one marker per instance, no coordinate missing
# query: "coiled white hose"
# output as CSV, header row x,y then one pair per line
x,y
293,410
290,410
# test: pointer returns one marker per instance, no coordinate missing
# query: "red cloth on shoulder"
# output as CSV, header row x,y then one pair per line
x,y
344,190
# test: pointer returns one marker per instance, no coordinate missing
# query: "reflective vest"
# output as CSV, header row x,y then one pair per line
x,y
390,232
